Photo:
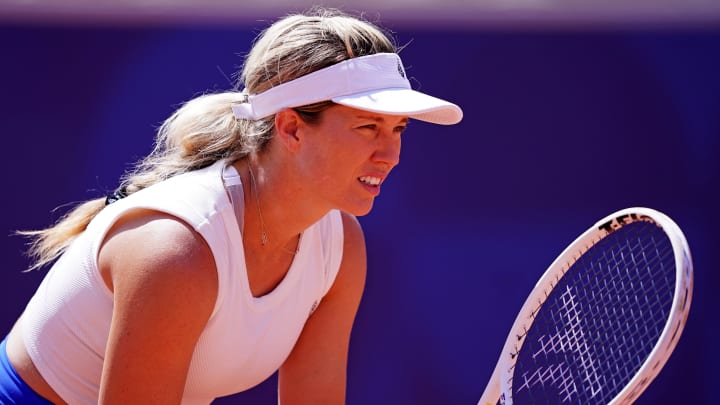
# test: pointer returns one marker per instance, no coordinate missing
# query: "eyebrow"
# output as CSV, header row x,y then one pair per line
x,y
381,119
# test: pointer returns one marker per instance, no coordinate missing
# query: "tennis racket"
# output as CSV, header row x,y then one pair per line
x,y
602,321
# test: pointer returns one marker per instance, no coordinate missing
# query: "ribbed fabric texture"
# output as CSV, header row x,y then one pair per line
x,y
66,323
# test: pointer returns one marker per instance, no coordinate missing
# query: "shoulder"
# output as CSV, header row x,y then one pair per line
x,y
353,236
344,240
341,228
145,246
353,266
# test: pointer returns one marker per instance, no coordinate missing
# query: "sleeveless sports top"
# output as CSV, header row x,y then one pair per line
x,y
66,323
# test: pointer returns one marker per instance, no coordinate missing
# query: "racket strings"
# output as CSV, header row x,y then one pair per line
x,y
645,272
600,322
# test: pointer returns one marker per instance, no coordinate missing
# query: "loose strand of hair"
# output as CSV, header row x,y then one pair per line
x,y
48,244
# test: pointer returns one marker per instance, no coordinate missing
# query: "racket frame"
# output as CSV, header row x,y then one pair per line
x,y
499,387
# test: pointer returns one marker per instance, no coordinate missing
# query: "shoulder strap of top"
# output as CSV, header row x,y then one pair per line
x,y
236,194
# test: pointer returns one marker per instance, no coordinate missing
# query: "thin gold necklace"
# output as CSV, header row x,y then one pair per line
x,y
263,233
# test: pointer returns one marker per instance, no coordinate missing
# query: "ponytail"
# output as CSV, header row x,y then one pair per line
x,y
195,136
48,244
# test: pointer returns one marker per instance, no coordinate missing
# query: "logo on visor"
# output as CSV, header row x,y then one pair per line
x,y
400,69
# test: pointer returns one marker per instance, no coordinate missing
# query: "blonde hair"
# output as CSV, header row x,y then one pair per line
x,y
204,129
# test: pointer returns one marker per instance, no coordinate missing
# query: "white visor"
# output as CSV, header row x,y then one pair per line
x,y
374,83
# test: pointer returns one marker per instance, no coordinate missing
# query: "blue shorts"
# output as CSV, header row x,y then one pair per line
x,y
13,389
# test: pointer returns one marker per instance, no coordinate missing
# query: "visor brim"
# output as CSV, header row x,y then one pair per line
x,y
398,101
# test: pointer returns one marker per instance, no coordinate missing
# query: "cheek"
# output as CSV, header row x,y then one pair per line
x,y
322,166
335,157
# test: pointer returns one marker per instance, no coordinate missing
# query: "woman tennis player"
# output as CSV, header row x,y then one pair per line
x,y
232,250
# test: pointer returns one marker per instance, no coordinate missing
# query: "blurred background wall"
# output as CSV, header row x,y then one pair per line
x,y
572,111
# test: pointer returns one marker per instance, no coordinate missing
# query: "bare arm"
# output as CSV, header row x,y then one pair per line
x,y
164,283
316,370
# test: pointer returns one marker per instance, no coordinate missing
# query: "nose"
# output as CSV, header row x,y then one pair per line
x,y
388,150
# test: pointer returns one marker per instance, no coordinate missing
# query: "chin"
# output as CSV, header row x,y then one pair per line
x,y
360,211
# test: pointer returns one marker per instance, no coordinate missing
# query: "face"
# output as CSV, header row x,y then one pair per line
x,y
348,155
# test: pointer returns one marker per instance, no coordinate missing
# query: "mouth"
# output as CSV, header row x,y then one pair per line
x,y
370,181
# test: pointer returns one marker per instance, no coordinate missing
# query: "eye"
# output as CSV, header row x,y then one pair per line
x,y
400,128
369,126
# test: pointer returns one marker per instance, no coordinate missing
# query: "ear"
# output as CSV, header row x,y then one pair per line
x,y
287,128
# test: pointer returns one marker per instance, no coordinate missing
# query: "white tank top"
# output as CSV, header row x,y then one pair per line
x,y
66,323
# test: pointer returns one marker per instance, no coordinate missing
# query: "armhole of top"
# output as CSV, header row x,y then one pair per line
x,y
101,238
198,223
109,223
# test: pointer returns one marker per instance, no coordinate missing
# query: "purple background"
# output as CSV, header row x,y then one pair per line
x,y
561,128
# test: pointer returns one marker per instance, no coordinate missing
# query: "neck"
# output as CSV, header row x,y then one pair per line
x,y
274,215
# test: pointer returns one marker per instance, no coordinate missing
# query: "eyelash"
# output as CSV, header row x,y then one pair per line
x,y
373,127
